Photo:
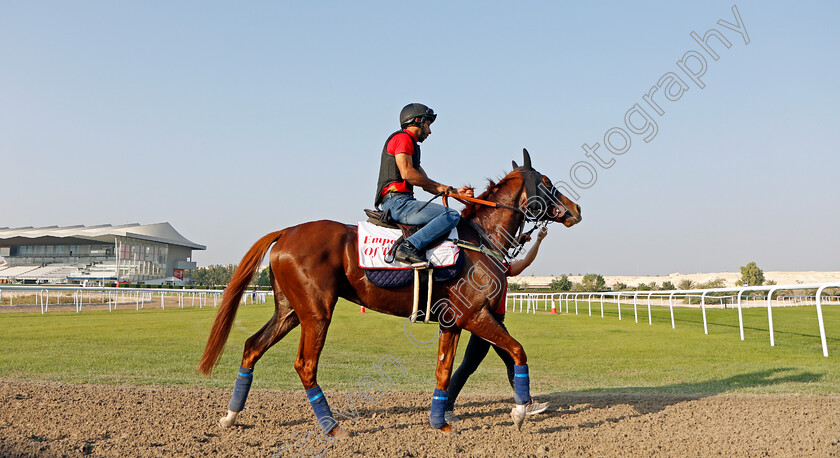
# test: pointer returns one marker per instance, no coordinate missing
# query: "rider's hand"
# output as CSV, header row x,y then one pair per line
x,y
543,232
466,191
442,188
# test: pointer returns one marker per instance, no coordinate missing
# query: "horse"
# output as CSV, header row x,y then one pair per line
x,y
315,263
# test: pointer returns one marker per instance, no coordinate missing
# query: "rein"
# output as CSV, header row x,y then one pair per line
x,y
494,251
464,199
497,253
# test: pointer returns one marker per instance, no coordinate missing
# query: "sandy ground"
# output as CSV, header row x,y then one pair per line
x,y
56,419
781,278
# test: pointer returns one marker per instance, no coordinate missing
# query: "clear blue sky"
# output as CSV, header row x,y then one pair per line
x,y
234,120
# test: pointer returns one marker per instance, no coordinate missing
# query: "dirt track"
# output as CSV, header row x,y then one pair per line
x,y
55,419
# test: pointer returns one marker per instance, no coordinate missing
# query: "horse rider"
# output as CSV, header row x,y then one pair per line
x,y
400,172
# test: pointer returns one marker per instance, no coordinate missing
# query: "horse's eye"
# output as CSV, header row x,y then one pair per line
x,y
546,181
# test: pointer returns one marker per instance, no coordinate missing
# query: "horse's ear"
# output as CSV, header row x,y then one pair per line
x,y
514,165
527,159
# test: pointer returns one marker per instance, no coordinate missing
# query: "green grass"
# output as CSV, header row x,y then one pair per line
x,y
566,352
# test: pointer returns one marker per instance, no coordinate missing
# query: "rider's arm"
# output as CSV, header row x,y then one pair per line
x,y
418,177
517,267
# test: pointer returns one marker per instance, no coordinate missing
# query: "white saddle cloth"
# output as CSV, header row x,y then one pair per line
x,y
376,241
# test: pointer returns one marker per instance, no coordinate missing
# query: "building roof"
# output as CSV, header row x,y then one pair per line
x,y
159,232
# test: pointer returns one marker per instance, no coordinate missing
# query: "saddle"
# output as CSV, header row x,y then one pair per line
x,y
376,258
383,219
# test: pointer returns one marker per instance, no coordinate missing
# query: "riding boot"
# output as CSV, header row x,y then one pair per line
x,y
408,254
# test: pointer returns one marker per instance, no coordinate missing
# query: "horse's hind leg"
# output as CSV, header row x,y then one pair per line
x,y
485,326
313,333
283,321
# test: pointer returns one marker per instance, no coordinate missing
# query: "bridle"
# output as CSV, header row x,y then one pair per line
x,y
541,209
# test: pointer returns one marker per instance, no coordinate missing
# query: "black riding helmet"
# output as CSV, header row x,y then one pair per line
x,y
416,110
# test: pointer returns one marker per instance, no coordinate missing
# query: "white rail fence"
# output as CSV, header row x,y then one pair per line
x,y
118,296
721,298
527,302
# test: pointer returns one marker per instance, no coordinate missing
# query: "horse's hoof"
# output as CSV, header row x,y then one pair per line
x,y
518,415
339,433
448,429
227,422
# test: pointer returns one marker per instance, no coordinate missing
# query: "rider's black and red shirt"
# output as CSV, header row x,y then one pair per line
x,y
390,179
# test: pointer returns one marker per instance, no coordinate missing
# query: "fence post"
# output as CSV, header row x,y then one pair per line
x,y
635,309
770,315
671,305
703,308
740,315
820,320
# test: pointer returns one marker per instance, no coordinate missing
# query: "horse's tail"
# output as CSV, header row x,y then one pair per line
x,y
230,303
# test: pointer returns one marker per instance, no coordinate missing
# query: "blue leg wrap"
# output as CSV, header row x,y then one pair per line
x,y
322,410
240,390
438,406
521,385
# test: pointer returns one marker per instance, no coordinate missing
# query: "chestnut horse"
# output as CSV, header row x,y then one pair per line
x,y
315,263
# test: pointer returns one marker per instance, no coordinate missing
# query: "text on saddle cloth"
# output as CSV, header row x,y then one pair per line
x,y
377,241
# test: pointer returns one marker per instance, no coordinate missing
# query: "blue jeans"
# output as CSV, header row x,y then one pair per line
x,y
477,349
438,220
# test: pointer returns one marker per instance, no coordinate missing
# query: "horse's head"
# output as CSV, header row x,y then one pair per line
x,y
541,201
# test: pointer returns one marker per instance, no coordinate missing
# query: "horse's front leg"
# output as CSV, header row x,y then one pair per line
x,y
485,326
447,344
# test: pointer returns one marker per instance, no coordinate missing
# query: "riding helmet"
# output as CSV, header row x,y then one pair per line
x,y
416,110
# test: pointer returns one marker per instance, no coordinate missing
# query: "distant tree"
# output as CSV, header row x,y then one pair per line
x,y
653,286
198,276
561,284
643,287
514,286
685,284
619,286
714,283
752,275
594,282
770,282
215,275
668,286
265,277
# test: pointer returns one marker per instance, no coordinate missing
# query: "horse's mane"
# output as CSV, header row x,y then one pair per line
x,y
488,194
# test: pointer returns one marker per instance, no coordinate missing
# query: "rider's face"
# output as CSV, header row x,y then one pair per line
x,y
425,131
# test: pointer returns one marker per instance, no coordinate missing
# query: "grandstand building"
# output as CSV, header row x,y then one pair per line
x,y
135,253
